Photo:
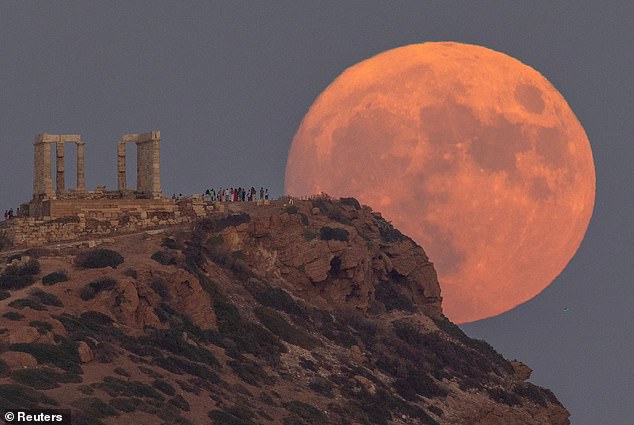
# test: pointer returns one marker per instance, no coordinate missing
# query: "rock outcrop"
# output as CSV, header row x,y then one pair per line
x,y
290,313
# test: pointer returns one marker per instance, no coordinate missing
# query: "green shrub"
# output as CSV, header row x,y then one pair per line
x,y
165,258
332,210
180,402
19,276
164,387
251,372
13,315
171,243
308,364
91,290
124,404
41,326
232,416
277,324
172,341
186,386
55,277
46,298
98,258
121,371
392,298
31,267
116,387
179,366
248,337
352,202
150,372
43,378
417,382
94,407
4,369
13,282
15,396
387,231
90,324
500,395
332,329
23,303
4,295
333,233
435,410
321,386
159,286
307,412
531,392
279,299
64,355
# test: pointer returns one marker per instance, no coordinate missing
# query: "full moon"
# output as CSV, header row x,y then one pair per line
x,y
470,152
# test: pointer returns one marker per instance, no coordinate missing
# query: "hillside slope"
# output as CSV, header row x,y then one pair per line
x,y
317,312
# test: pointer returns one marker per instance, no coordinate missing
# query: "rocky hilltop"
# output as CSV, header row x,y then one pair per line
x,y
316,312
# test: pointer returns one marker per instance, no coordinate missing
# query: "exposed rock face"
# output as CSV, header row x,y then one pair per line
x,y
316,312
342,261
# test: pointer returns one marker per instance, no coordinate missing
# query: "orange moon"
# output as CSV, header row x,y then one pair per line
x,y
472,153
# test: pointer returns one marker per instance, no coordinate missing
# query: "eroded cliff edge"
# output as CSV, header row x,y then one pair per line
x,y
314,312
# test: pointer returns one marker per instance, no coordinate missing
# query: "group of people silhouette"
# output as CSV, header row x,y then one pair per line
x,y
9,213
232,194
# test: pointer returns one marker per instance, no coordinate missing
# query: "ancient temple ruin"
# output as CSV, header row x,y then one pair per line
x,y
57,214
42,178
148,163
54,201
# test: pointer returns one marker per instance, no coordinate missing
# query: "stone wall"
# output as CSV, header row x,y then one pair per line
x,y
69,220
25,232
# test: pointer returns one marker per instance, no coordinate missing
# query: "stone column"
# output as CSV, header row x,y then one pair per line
x,y
121,166
156,168
60,181
45,170
81,170
143,168
38,158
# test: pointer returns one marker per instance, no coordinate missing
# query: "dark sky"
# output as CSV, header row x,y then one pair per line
x,y
228,83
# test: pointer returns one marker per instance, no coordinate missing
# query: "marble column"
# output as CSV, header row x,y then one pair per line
x,y
121,166
60,182
81,170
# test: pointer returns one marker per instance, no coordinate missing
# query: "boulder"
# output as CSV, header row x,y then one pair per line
x,y
522,372
24,335
16,360
85,352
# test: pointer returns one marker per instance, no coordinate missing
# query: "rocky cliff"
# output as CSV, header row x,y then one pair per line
x,y
314,312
